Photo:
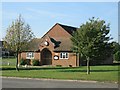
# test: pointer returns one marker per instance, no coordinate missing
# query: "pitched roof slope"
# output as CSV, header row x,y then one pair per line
x,y
69,29
34,44
66,43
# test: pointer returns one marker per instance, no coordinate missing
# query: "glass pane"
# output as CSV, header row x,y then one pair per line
x,y
32,54
66,55
27,54
61,55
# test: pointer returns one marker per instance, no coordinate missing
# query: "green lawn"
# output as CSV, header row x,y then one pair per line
x,y
98,73
11,61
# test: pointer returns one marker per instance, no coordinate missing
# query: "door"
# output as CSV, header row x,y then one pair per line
x,y
46,57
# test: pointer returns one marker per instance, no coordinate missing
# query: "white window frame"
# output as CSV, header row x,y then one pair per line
x,y
66,55
30,55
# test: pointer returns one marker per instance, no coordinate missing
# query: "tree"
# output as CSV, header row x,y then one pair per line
x,y
116,51
116,47
18,37
91,40
117,56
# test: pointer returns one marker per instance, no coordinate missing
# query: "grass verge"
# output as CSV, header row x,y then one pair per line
x,y
98,73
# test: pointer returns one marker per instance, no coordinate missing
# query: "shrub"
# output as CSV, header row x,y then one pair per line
x,y
22,62
27,61
35,62
58,65
117,56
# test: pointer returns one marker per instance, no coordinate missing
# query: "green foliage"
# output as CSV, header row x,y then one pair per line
x,y
35,62
22,62
58,65
117,56
18,35
116,47
91,40
25,62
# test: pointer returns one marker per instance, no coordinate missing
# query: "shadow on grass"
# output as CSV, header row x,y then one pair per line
x,y
41,68
7,68
58,69
86,70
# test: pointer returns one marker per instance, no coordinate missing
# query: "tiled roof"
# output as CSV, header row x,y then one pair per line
x,y
34,45
69,29
65,45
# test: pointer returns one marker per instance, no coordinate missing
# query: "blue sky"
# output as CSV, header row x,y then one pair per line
x,y
42,16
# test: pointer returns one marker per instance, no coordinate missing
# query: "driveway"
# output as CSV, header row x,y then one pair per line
x,y
43,83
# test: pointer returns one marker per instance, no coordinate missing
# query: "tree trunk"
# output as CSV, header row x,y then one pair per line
x,y
88,65
17,63
77,64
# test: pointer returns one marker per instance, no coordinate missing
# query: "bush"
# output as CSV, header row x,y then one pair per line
x,y
58,65
35,62
27,61
22,62
117,56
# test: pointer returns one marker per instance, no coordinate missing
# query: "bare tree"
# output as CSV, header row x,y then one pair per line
x,y
18,36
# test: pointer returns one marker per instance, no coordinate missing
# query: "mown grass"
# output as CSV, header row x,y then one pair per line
x,y
107,73
11,61
98,73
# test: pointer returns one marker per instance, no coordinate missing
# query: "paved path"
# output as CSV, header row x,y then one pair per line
x,y
34,83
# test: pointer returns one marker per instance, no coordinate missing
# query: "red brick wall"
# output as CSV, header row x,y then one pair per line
x,y
23,56
65,62
58,33
37,55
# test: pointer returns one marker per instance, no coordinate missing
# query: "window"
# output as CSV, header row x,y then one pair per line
x,y
64,55
30,55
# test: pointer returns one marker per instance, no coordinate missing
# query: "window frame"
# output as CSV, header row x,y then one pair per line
x,y
66,54
30,55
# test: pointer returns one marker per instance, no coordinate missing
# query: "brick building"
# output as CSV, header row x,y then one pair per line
x,y
54,48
